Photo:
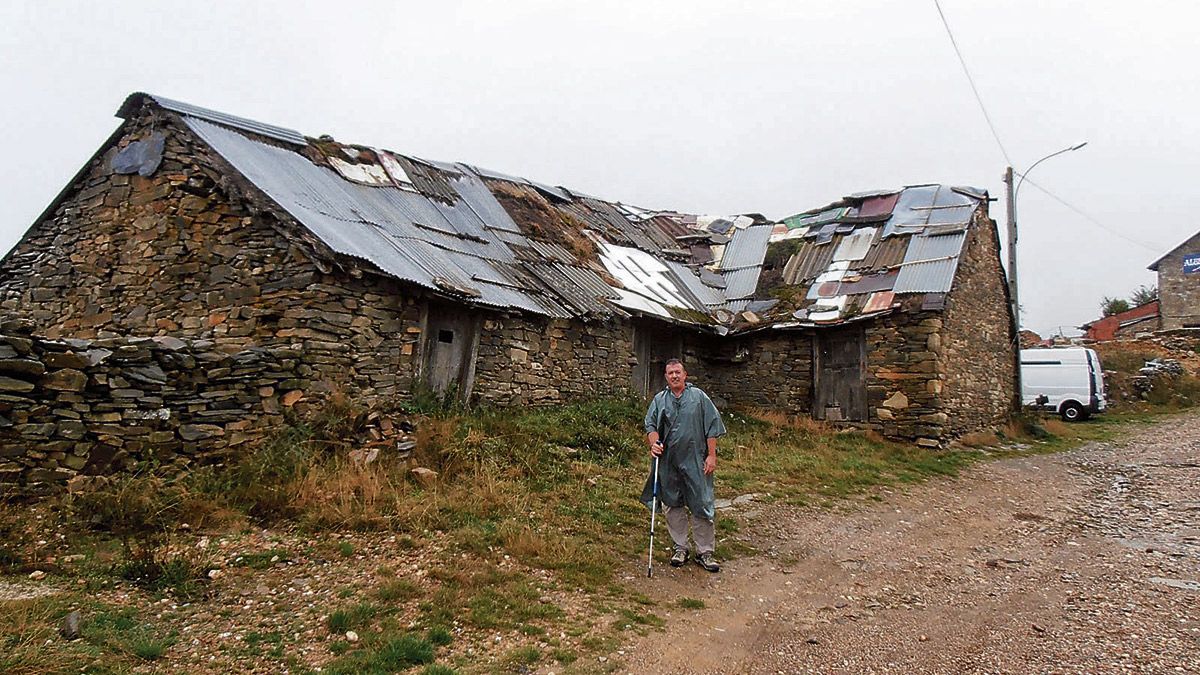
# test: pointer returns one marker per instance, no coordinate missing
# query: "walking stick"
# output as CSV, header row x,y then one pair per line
x,y
653,514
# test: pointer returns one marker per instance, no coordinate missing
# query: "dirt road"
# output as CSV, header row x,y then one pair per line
x,y
1081,562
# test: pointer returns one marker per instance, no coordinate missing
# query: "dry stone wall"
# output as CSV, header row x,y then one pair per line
x,y
904,385
771,371
976,349
531,361
71,407
178,253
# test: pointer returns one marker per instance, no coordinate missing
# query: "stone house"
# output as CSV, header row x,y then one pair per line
x,y
385,274
1179,285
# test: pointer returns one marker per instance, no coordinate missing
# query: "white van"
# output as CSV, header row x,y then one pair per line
x,y
1066,380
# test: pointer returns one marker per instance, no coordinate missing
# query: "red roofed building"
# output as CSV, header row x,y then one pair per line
x,y
1126,324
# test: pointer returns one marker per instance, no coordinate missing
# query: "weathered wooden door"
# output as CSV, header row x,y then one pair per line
x,y
653,347
451,337
841,387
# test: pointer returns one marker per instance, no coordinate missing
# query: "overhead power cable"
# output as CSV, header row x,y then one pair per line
x,y
971,81
1089,218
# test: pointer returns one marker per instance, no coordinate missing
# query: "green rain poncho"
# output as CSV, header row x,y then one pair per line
x,y
684,426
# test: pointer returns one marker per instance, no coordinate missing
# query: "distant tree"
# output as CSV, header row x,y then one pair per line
x,y
1143,294
1110,306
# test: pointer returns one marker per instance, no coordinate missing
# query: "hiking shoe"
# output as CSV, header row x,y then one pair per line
x,y
680,557
706,561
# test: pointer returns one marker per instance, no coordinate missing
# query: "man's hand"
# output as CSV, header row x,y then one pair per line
x,y
710,464
656,449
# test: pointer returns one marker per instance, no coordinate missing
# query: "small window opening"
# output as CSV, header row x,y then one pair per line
x,y
446,336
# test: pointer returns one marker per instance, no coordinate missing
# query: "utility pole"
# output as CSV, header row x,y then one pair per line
x,y
1012,250
1012,282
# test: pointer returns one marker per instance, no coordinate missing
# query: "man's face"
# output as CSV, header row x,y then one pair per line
x,y
676,376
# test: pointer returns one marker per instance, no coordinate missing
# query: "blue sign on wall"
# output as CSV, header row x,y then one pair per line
x,y
1191,263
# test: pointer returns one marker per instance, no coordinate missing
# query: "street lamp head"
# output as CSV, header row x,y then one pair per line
x,y
1076,147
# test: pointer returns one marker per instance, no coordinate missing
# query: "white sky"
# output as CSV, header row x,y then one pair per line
x,y
705,107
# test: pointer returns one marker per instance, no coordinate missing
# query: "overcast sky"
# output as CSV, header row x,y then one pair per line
x,y
705,107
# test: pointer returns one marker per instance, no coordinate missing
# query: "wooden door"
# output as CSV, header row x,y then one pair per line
x,y
654,346
841,386
451,337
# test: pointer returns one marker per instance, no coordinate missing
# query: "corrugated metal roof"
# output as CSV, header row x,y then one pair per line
x,y
808,262
444,227
741,283
584,300
747,247
705,295
269,130
381,225
481,200
884,254
930,264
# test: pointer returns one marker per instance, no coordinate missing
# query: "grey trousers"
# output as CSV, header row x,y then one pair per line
x,y
703,531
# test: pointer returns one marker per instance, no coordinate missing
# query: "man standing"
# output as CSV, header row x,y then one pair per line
x,y
682,427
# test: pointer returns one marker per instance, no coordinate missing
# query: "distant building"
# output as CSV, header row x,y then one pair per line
x,y
1179,285
1140,319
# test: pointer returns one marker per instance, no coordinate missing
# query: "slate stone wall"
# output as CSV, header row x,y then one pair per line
x,y
904,385
977,351
1179,293
771,370
177,253
525,360
80,407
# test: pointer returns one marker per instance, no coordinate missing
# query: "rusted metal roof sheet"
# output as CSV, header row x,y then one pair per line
x,y
930,264
670,226
878,206
808,262
878,302
885,253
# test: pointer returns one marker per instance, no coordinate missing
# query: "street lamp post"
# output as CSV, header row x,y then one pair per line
x,y
1012,257
1012,230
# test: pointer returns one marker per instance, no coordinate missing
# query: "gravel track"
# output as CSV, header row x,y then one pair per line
x,y
1086,561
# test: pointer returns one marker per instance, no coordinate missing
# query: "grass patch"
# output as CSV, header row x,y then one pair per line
x,y
353,618
117,638
383,656
523,656
690,603
397,591
261,560
439,636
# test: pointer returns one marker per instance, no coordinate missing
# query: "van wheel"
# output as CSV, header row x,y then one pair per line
x,y
1073,412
